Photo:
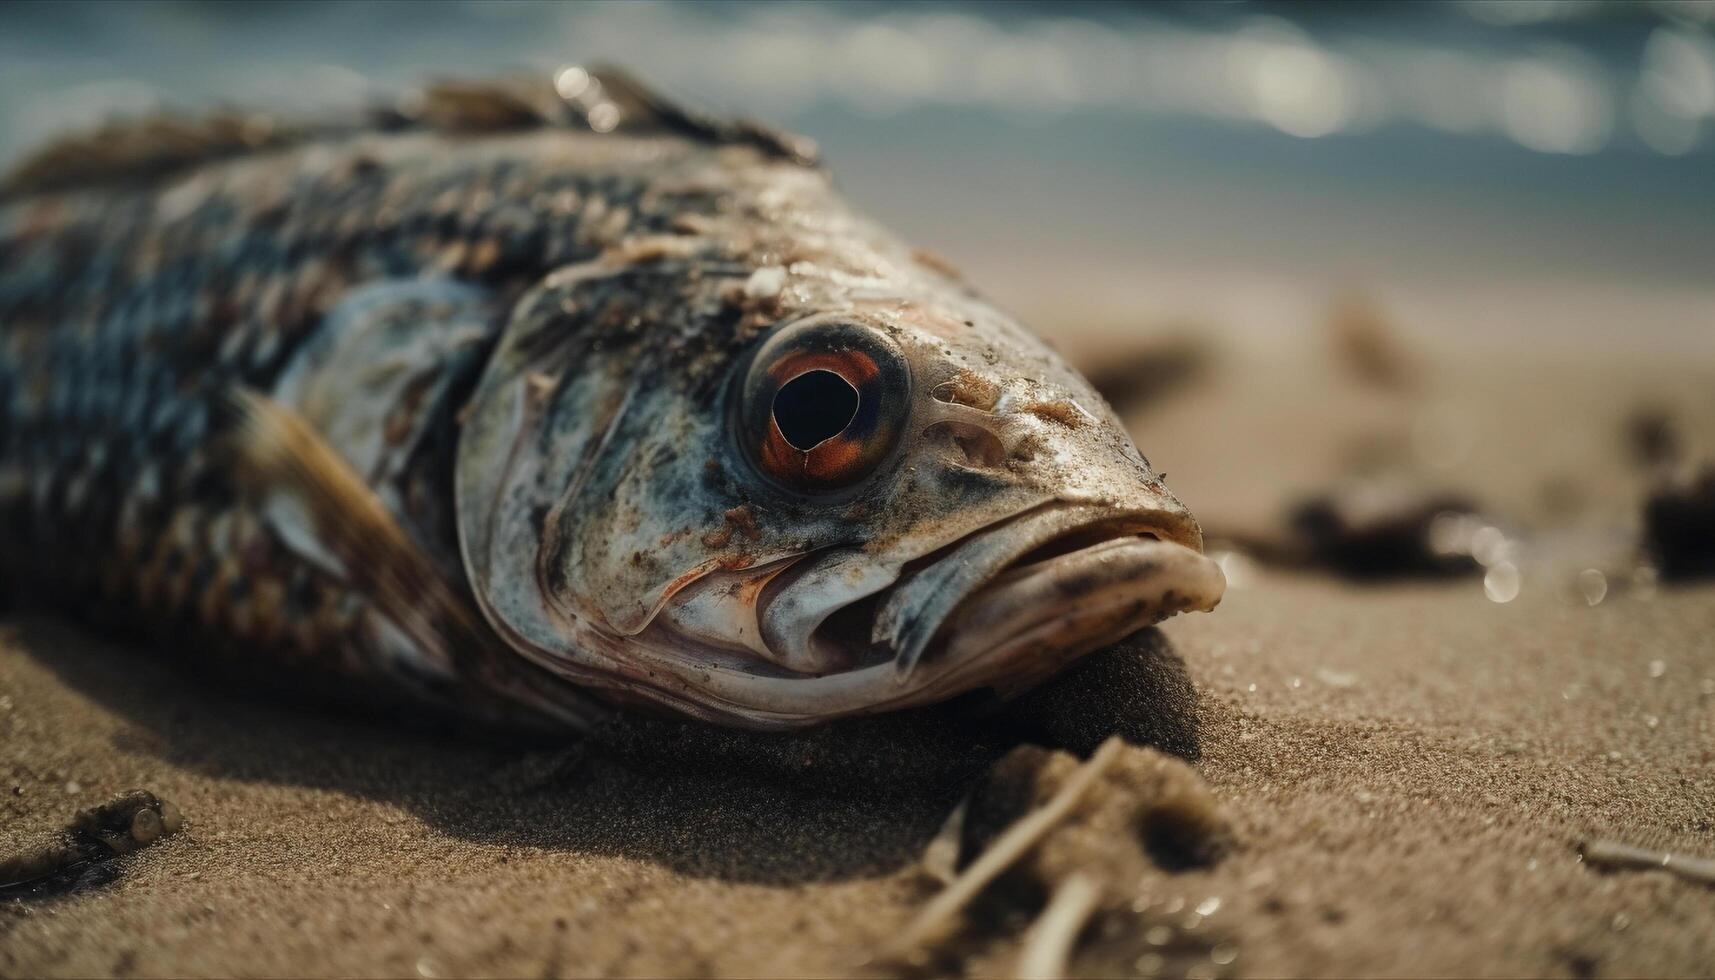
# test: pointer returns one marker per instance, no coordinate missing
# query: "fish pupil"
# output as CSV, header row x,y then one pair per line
x,y
813,408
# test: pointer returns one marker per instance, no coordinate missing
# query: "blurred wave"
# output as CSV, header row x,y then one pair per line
x,y
1481,68
1115,157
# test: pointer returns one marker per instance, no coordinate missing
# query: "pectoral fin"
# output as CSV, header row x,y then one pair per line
x,y
280,453
292,469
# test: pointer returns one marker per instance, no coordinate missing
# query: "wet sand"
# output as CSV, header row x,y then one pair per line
x,y
1407,765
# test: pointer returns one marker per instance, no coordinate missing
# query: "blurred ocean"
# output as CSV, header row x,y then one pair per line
x,y
1506,172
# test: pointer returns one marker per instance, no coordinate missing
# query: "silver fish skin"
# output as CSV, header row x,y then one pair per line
x,y
532,402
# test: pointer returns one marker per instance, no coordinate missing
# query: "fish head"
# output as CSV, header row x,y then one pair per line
x,y
775,498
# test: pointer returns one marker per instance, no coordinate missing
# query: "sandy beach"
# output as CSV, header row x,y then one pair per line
x,y
1407,766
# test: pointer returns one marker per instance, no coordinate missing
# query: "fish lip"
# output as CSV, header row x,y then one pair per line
x,y
1040,615
912,622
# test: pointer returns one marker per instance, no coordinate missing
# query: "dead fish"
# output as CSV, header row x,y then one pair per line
x,y
529,400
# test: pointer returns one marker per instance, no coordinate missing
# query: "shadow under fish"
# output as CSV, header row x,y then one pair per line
x,y
850,799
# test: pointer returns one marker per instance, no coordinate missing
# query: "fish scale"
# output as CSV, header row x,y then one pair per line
x,y
122,330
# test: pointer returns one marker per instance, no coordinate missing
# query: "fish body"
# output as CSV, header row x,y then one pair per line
x,y
541,399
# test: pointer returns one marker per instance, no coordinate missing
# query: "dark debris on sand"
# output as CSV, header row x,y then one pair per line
x,y
1679,524
1052,854
76,857
1378,530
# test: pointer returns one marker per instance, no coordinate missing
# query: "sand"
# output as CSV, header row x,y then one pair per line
x,y
1406,766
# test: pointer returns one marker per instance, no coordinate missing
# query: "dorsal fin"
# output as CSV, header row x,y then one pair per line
x,y
598,99
601,99
641,107
141,149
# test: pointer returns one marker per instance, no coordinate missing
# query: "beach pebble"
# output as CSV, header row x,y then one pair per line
x,y
146,827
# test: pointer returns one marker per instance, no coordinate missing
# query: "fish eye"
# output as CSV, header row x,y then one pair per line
x,y
823,403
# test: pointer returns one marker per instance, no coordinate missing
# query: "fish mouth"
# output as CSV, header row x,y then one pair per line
x,y
1044,613
1019,601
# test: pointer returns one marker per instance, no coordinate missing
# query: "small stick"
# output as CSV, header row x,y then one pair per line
x,y
941,857
1613,854
1048,948
1004,852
